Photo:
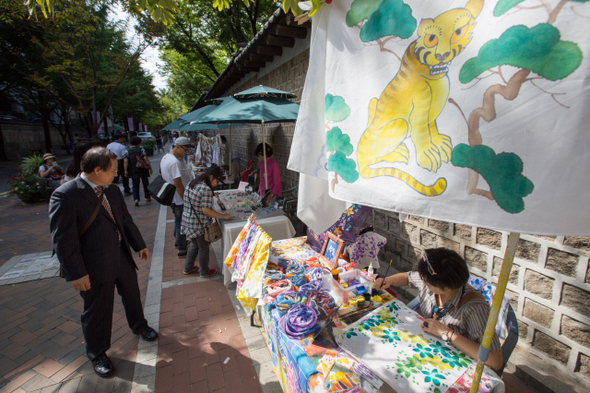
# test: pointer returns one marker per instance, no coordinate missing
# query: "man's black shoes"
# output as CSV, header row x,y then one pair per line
x,y
103,366
147,333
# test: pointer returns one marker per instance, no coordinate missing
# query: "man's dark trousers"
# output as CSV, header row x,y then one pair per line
x,y
121,174
97,317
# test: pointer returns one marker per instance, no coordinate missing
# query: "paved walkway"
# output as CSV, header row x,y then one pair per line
x,y
206,342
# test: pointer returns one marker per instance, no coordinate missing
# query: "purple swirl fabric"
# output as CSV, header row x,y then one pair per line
x,y
311,288
286,300
299,322
315,273
295,269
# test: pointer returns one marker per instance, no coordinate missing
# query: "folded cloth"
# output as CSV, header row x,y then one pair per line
x,y
310,289
315,273
284,263
295,269
298,280
286,300
273,290
299,322
323,303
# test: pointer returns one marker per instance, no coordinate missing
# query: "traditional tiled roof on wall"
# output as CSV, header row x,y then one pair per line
x,y
281,30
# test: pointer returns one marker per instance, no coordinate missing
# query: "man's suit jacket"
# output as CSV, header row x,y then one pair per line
x,y
97,252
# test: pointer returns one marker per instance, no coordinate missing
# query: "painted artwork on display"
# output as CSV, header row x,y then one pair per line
x,y
469,111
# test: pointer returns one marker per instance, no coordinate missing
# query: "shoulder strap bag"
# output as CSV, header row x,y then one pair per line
x,y
161,190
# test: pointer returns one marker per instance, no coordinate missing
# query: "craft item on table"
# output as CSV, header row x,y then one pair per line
x,y
336,274
323,303
311,288
391,342
299,321
298,280
242,267
314,273
275,289
360,301
274,275
295,250
376,301
311,263
284,264
251,287
233,252
347,227
244,245
365,248
353,304
490,382
286,300
344,309
340,379
294,269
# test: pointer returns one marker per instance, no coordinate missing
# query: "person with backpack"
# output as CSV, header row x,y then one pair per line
x,y
138,167
452,309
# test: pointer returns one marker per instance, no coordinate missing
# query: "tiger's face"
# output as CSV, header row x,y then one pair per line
x,y
441,39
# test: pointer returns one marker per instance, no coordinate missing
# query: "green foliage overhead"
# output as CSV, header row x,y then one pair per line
x,y
339,142
502,171
343,166
503,6
538,49
335,108
385,18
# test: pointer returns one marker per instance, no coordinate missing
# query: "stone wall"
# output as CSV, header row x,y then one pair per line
x,y
550,282
21,137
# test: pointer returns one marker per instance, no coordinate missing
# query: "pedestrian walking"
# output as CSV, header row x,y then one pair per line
x,y
138,167
119,149
93,233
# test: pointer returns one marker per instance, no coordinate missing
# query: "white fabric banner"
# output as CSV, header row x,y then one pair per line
x,y
474,112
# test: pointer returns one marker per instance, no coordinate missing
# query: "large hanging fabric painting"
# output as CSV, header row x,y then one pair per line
x,y
469,111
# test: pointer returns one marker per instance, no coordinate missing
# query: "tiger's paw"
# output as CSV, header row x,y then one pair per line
x,y
444,146
400,154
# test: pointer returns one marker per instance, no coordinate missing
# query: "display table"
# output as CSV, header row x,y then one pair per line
x,y
387,344
274,222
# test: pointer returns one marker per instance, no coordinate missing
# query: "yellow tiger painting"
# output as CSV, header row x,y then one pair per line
x,y
413,100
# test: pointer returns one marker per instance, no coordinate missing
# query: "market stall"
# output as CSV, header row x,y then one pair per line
x,y
329,331
241,205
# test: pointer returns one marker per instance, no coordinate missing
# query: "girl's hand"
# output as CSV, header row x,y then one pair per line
x,y
433,326
227,217
380,283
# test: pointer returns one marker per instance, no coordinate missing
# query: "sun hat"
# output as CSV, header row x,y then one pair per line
x,y
47,156
184,141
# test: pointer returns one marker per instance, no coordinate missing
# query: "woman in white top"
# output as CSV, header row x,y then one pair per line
x,y
51,169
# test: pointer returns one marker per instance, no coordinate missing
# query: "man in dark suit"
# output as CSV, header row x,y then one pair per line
x,y
100,259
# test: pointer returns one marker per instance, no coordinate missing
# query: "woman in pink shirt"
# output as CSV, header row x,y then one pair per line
x,y
274,172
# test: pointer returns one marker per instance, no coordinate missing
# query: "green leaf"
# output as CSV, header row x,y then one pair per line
x,y
503,6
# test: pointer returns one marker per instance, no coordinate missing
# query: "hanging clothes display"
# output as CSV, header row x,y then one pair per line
x,y
210,150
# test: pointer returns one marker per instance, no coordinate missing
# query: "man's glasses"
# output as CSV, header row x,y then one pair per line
x,y
428,265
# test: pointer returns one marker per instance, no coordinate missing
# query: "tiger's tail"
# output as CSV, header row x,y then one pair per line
x,y
436,189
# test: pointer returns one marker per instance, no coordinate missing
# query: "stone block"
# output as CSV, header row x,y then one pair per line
x,y
555,349
489,238
523,330
562,262
497,266
405,265
393,225
528,250
538,312
513,299
463,231
401,247
431,240
477,259
575,299
410,232
441,226
416,219
379,220
579,242
538,284
575,330
583,365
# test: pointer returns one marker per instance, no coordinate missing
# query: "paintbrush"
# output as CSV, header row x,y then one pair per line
x,y
386,271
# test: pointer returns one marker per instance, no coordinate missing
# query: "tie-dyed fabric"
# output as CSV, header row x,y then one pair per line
x,y
243,265
251,288
230,259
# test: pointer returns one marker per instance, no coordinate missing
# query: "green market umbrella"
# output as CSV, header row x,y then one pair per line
x,y
174,125
196,114
253,110
264,91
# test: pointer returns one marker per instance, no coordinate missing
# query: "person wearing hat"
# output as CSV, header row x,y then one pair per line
x,y
120,150
51,169
173,171
198,214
